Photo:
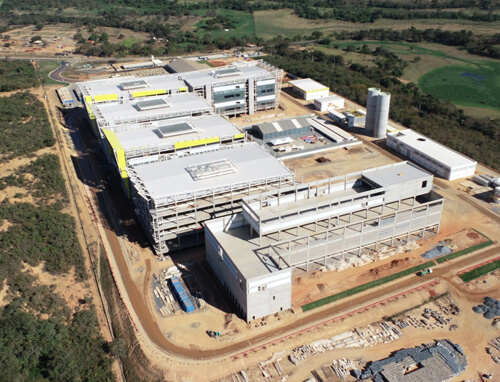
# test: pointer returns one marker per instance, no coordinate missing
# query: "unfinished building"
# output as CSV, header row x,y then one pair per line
x,y
319,223
130,144
173,198
183,105
122,89
245,87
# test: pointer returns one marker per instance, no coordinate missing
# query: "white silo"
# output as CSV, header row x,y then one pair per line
x,y
371,109
381,115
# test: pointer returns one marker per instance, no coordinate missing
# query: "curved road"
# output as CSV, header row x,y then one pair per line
x,y
56,74
91,173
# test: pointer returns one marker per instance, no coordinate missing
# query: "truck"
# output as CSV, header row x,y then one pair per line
x,y
424,272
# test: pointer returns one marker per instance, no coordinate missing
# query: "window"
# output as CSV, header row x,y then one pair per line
x,y
424,184
274,297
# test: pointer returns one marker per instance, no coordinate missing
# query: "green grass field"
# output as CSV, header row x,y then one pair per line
x,y
476,85
129,41
446,72
245,27
481,271
362,288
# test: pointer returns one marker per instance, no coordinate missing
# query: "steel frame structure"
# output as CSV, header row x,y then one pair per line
x,y
169,217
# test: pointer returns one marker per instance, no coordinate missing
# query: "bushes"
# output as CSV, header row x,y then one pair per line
x,y
38,234
24,126
16,75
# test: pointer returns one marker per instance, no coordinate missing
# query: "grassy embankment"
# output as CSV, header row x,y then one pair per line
x,y
364,287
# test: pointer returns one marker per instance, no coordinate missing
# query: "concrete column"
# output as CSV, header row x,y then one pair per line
x,y
208,94
251,96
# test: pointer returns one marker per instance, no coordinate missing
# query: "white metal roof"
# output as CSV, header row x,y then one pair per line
x,y
202,78
169,178
396,173
112,85
308,85
432,149
146,135
329,99
110,114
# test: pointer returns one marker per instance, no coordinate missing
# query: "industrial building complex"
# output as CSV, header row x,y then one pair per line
x,y
316,223
195,177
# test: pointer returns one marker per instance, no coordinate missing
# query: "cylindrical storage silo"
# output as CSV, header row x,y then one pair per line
x,y
371,109
496,195
382,115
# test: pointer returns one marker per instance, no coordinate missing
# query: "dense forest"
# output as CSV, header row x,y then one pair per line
x,y
40,337
440,120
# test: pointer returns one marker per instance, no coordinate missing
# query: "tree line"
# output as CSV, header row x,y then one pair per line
x,y
481,45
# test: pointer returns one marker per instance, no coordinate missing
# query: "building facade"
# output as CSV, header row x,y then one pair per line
x,y
318,224
438,159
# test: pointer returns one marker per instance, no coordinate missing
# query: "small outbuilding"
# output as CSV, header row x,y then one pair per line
x,y
309,89
323,104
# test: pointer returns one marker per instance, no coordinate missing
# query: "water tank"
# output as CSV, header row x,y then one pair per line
x,y
382,115
371,109
495,197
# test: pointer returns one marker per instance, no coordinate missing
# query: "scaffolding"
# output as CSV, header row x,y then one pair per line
x,y
174,220
330,219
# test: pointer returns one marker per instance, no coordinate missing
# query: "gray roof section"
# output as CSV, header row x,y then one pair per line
x,y
119,113
283,124
241,249
147,136
169,178
202,78
395,174
181,65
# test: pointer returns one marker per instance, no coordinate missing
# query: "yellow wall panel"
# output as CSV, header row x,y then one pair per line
x,y
239,136
184,89
105,97
116,146
196,142
88,99
146,93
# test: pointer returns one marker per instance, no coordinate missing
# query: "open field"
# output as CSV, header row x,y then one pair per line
x,y
475,85
444,71
244,27
269,24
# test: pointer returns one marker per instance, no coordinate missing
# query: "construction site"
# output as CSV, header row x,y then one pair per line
x,y
245,231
